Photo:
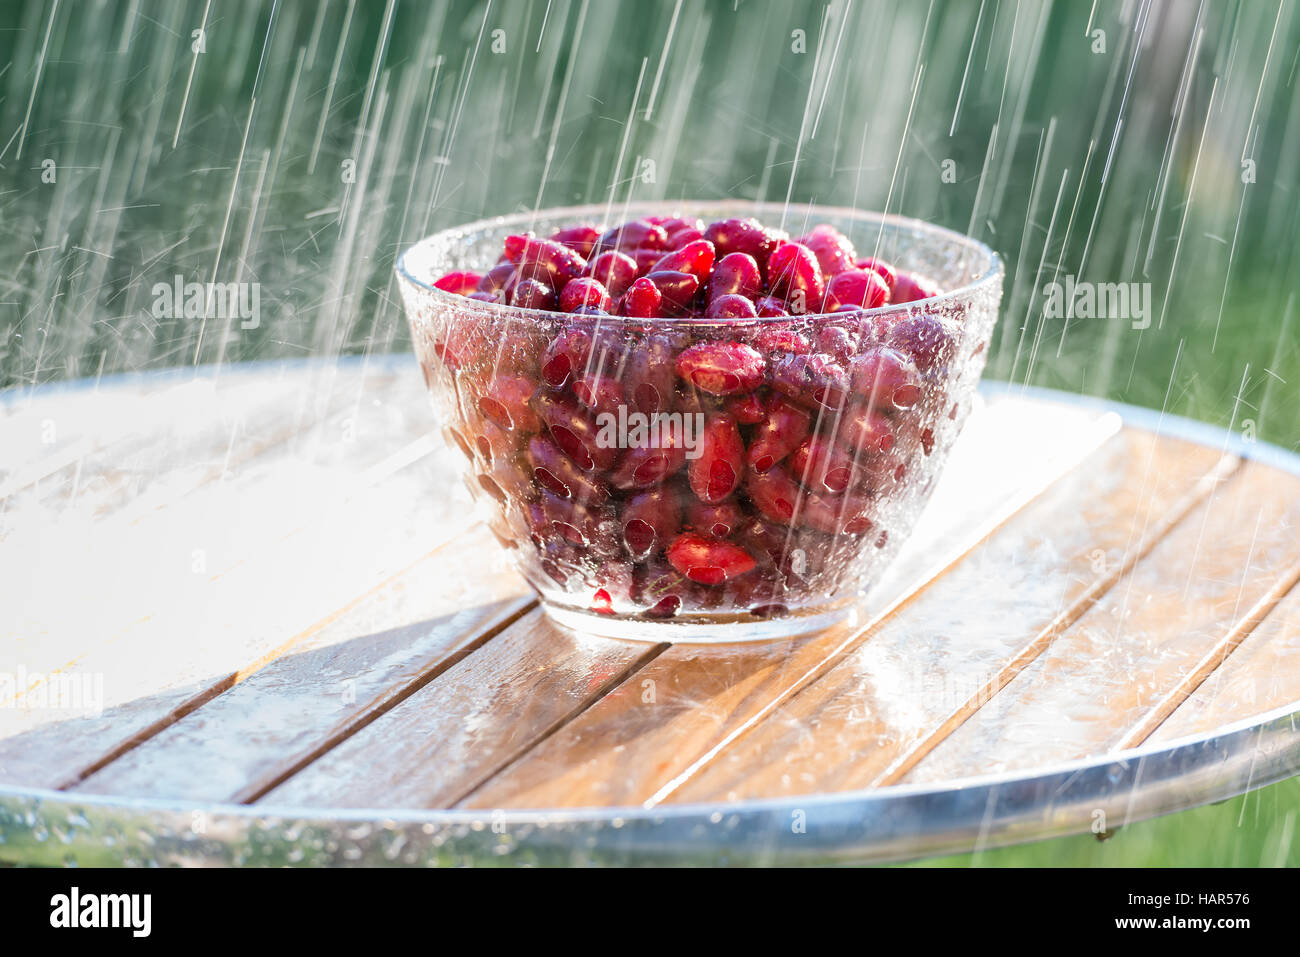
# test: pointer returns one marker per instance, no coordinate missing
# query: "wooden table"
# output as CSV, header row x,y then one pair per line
x,y
249,617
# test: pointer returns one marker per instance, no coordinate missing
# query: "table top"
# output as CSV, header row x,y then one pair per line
x,y
250,617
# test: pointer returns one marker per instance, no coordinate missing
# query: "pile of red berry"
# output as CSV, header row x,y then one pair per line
x,y
791,415
662,268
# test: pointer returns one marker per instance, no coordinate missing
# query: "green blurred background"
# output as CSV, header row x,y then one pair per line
x,y
302,145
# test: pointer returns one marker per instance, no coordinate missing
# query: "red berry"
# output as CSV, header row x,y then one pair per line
x,y
794,275
767,540
677,290
583,291
614,270
811,379
684,236
860,288
781,432
742,236
575,433
837,341
909,287
454,348
695,258
731,307
557,473
645,258
774,493
746,409
722,368
883,269
533,294
578,238
885,378
496,278
779,498
720,460
708,561
849,514
771,307
587,525
781,339
608,349
599,393
822,465
505,402
735,274
867,430
834,251
645,466
642,300
666,607
459,283
682,231
498,445
649,521
514,247
924,339
565,355
602,603
716,521
550,262
649,375
638,234
660,588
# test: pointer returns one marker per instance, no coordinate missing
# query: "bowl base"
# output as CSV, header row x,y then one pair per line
x,y
697,630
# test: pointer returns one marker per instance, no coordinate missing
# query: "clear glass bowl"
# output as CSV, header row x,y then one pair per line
x,y
587,506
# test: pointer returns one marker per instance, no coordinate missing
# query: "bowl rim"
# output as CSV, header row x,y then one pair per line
x,y
603,211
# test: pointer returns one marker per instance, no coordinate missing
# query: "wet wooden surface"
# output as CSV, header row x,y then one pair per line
x,y
274,591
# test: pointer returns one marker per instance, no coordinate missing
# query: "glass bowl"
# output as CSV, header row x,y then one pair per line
x,y
617,499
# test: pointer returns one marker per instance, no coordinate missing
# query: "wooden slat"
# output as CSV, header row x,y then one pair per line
x,y
1110,675
174,604
1262,674
934,660
467,723
215,630
327,686
690,702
